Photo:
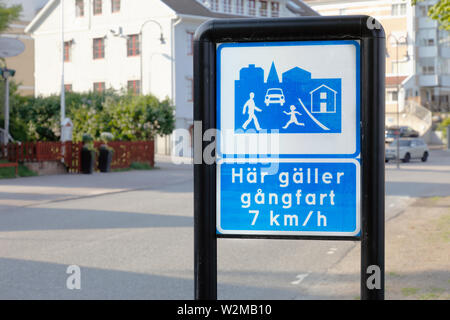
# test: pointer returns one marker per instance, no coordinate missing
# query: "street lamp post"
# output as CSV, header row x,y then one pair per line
x,y
63,89
397,42
6,74
161,39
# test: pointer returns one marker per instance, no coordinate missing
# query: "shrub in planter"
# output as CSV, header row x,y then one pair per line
x,y
88,155
106,153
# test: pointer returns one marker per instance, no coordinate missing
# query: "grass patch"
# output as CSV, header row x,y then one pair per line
x,y
10,173
141,166
429,296
393,274
409,291
443,226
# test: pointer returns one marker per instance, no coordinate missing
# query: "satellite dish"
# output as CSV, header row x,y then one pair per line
x,y
10,47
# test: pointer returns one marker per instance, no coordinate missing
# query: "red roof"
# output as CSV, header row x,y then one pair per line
x,y
394,81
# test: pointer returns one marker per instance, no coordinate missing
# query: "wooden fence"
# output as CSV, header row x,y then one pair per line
x,y
125,153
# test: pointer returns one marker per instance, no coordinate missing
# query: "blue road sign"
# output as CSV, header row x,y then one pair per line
x,y
300,198
304,96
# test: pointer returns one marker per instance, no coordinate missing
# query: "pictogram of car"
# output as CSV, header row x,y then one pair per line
x,y
274,95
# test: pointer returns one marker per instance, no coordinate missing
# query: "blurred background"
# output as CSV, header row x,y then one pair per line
x,y
99,86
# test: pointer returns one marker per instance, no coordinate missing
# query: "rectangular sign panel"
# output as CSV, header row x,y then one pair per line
x,y
308,93
295,107
290,197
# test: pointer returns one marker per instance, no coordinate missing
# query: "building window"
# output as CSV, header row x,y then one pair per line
x,y
240,6
99,48
98,7
427,65
134,86
428,70
275,9
67,51
215,5
99,87
115,6
263,8
133,45
252,7
391,96
426,37
68,87
79,8
190,43
398,9
227,6
190,89
423,9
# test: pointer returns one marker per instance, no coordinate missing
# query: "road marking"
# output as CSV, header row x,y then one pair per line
x,y
332,251
300,278
313,118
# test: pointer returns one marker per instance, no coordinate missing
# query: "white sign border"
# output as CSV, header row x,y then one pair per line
x,y
354,145
355,233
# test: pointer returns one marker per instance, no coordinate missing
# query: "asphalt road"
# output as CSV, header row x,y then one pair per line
x,y
131,234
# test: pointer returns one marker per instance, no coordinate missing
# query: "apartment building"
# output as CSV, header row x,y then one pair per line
x,y
144,46
418,52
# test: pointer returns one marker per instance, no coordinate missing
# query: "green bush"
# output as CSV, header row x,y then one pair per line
x,y
135,118
9,173
443,127
125,116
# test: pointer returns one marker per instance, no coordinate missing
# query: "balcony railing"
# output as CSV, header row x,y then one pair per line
x,y
428,80
428,51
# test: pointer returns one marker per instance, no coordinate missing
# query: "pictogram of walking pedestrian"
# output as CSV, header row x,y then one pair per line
x,y
250,104
293,119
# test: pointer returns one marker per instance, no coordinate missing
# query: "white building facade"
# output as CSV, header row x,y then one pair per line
x,y
144,46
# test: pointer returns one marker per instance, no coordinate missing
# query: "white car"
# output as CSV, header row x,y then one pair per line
x,y
274,95
410,148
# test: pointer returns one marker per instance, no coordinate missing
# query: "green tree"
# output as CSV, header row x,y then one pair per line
x,y
440,12
17,126
8,14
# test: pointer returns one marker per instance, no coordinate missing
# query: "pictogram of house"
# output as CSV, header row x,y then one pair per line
x,y
323,100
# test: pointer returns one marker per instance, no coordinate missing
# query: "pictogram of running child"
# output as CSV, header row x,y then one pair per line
x,y
293,119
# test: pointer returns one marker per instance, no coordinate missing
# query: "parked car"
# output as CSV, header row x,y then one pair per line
x,y
409,148
274,95
391,133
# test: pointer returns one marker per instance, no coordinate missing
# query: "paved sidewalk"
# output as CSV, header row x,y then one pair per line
x,y
23,192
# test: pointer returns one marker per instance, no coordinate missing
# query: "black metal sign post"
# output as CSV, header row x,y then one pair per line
x,y
370,35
